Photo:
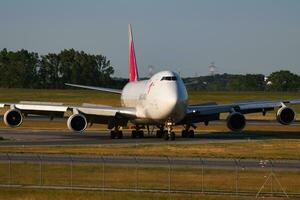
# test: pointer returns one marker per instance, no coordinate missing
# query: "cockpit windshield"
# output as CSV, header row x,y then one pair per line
x,y
169,78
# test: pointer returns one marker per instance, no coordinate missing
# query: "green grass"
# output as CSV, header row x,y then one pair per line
x,y
149,178
229,97
62,96
31,194
280,148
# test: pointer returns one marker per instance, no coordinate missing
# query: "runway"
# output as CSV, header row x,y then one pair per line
x,y
26,137
218,163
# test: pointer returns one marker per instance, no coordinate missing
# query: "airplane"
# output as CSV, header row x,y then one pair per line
x,y
161,101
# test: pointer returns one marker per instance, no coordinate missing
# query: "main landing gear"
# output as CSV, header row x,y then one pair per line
x,y
187,133
137,134
166,134
116,134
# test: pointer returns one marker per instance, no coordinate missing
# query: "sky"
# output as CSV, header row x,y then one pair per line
x,y
239,36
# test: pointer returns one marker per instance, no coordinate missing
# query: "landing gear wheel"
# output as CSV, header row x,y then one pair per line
x,y
166,135
133,134
119,134
172,136
113,134
184,134
159,133
140,134
191,134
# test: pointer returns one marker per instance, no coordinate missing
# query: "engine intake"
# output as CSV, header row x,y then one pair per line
x,y
13,118
285,115
77,123
236,121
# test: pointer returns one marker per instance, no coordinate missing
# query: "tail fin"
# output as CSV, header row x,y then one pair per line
x,y
133,71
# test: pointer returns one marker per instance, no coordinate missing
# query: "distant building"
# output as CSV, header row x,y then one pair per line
x,y
212,69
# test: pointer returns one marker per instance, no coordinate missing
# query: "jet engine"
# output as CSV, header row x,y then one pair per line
x,y
13,118
285,115
236,121
77,122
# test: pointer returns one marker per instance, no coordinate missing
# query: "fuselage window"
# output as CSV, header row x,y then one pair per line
x,y
169,78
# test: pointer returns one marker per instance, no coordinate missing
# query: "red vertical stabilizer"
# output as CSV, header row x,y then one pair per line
x,y
133,71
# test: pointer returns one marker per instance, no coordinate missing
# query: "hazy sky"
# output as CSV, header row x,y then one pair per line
x,y
254,36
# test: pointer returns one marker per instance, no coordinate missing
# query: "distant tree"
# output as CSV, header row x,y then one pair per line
x,y
284,81
27,70
228,82
49,71
82,68
18,68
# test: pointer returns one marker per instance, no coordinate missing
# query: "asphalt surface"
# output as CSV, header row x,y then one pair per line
x,y
217,163
25,137
22,136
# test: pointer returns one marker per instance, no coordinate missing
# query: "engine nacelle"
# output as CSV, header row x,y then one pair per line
x,y
13,118
77,122
236,121
285,115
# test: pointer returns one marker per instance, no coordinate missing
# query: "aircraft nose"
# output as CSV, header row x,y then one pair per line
x,y
175,102
171,99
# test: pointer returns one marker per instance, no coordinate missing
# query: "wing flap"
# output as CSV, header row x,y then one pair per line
x,y
36,107
106,111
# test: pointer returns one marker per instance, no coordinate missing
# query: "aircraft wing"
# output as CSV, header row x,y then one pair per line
x,y
211,111
93,113
243,107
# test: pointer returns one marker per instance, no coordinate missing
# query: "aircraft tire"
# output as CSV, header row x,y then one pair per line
x,y
133,134
119,134
184,134
172,136
140,134
113,134
191,134
159,133
166,135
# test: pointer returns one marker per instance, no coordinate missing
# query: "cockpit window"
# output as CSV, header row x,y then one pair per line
x,y
169,78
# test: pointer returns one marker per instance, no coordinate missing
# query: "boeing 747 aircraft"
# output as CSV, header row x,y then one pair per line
x,y
161,101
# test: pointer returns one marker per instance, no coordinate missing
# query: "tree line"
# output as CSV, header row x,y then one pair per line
x,y
24,69
277,81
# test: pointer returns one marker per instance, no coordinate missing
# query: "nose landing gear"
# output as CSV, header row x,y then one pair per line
x,y
169,134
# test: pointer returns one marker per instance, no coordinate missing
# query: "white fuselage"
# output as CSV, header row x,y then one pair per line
x,y
161,98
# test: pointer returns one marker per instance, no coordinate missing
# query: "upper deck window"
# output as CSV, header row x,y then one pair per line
x,y
169,78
